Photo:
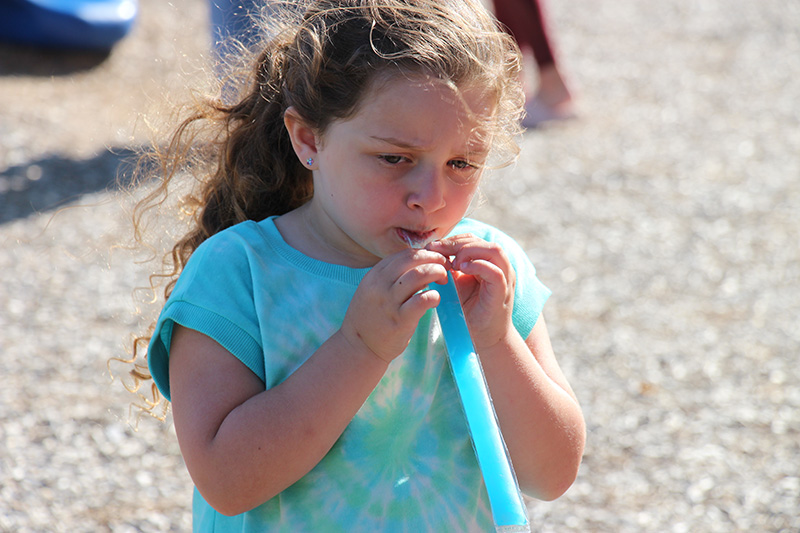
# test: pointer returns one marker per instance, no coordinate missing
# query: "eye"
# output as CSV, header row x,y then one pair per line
x,y
463,171
460,164
392,159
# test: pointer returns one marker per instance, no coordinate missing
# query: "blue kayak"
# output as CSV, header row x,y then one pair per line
x,y
80,24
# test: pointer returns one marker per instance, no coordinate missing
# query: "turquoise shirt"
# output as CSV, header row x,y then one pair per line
x,y
405,462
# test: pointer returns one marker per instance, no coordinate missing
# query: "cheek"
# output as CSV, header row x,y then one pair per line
x,y
370,204
462,196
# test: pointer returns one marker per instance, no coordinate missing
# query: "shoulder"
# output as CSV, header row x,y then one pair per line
x,y
230,250
235,239
214,296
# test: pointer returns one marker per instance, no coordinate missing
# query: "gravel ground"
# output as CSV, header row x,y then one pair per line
x,y
665,220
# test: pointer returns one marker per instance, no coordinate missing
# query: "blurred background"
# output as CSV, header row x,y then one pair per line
x,y
665,219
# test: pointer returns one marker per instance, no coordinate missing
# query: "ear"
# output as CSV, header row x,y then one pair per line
x,y
304,140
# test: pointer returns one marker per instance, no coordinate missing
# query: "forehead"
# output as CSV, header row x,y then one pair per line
x,y
425,109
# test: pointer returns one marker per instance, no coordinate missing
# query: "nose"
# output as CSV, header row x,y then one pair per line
x,y
427,190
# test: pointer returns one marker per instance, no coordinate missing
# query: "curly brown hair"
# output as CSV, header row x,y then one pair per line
x,y
321,60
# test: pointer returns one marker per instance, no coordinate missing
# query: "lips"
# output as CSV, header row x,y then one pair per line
x,y
416,239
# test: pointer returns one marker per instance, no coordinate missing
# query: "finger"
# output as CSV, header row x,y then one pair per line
x,y
415,307
395,265
450,245
386,273
484,270
418,278
468,247
400,263
473,251
494,282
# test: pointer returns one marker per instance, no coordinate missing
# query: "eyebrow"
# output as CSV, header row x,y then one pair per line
x,y
410,146
398,142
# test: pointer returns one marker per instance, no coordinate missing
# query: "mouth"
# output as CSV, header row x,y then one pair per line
x,y
416,239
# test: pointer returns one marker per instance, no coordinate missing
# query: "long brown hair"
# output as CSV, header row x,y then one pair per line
x,y
320,60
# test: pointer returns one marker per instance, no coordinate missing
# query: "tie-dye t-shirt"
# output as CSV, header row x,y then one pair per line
x,y
405,463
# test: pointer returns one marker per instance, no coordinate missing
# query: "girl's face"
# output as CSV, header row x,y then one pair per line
x,y
402,171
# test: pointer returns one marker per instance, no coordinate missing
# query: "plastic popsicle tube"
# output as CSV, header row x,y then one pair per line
x,y
505,499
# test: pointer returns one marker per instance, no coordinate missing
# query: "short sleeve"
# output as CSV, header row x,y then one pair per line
x,y
214,296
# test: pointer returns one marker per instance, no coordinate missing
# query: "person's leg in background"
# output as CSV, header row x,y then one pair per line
x,y
231,20
552,99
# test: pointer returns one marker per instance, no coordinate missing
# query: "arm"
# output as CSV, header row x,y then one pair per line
x,y
242,444
538,413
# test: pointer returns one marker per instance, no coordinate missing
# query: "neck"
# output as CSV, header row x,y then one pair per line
x,y
303,231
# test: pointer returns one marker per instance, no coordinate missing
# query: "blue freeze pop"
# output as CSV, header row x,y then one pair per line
x,y
505,499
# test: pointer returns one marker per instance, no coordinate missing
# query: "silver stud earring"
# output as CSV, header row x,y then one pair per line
x,y
310,161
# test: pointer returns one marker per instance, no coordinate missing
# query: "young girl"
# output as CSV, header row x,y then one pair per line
x,y
298,346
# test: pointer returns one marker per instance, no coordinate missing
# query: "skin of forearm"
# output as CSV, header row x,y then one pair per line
x,y
541,420
248,462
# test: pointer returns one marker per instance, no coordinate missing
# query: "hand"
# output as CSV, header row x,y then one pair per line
x,y
390,301
485,281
